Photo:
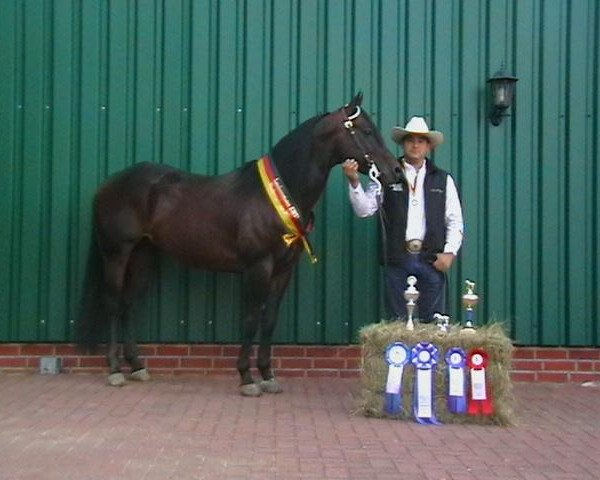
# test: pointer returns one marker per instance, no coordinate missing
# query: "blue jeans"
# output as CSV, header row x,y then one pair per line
x,y
431,284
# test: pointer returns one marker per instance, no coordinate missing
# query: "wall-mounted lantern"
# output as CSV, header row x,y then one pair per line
x,y
502,87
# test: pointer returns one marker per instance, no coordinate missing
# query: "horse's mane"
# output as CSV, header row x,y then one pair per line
x,y
297,142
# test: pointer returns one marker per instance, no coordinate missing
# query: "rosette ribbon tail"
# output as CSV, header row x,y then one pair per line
x,y
424,358
396,356
480,407
424,398
480,398
393,390
457,405
456,358
393,403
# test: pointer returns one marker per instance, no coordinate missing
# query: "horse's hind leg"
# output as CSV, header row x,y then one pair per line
x,y
114,272
115,377
139,269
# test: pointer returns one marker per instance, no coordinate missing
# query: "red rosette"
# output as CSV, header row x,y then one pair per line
x,y
480,394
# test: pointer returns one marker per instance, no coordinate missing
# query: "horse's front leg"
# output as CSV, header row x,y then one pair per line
x,y
131,351
256,292
116,377
269,321
250,325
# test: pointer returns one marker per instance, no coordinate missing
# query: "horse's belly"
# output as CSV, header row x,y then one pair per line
x,y
204,248
204,228
209,253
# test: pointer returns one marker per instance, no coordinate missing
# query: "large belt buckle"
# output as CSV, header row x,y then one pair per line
x,y
414,246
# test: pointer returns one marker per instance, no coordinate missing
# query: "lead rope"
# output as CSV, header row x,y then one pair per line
x,y
374,176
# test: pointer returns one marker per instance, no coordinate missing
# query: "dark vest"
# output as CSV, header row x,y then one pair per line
x,y
395,207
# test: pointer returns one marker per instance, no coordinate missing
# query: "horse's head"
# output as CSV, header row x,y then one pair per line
x,y
357,137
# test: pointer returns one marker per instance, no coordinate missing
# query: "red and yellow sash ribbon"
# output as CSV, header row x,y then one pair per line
x,y
289,214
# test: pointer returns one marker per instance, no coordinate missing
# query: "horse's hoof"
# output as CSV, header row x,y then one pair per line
x,y
141,375
250,390
116,379
271,386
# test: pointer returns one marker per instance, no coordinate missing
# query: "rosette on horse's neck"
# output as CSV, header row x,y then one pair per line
x,y
280,198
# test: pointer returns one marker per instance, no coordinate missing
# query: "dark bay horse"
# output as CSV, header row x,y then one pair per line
x,y
253,220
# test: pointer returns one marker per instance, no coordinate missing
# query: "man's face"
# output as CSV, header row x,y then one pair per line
x,y
416,148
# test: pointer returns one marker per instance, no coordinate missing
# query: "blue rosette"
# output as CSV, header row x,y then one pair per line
x,y
397,355
456,359
424,356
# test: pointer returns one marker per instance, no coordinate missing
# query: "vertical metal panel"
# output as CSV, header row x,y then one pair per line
x,y
10,111
89,88
552,176
592,152
578,231
496,172
525,280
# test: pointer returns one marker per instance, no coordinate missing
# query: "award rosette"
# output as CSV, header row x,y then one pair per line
x,y
424,357
480,400
396,356
456,359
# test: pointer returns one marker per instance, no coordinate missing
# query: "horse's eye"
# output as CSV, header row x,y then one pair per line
x,y
368,131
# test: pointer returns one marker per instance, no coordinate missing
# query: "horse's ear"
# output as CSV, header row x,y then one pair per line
x,y
357,100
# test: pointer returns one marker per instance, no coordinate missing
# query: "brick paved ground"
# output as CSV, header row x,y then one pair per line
x,y
74,427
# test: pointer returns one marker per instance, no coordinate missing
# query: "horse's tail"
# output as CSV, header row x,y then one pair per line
x,y
93,316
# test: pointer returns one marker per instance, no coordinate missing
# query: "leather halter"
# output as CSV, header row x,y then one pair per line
x,y
374,172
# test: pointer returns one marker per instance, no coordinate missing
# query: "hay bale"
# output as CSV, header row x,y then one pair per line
x,y
376,337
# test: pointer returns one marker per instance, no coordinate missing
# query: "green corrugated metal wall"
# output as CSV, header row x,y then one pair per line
x,y
90,87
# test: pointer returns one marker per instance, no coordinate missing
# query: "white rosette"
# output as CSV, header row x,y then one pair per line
x,y
396,356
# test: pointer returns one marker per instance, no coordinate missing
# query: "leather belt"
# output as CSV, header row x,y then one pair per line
x,y
414,246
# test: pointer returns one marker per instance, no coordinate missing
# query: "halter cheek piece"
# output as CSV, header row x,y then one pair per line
x,y
374,172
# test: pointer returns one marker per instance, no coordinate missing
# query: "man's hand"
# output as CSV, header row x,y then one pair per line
x,y
443,261
350,167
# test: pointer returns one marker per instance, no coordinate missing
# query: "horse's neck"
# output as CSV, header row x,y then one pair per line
x,y
309,187
303,165
305,180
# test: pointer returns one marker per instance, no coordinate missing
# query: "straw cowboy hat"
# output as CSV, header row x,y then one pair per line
x,y
417,126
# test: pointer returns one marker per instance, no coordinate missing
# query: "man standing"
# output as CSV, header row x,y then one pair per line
x,y
423,221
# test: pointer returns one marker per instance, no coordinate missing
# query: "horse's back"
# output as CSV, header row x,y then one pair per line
x,y
194,218
200,219
139,178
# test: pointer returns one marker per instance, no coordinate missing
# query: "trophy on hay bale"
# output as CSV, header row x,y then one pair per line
x,y
470,300
411,295
442,322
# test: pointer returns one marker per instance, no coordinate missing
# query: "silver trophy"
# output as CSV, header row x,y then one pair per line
x,y
411,295
442,322
470,300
